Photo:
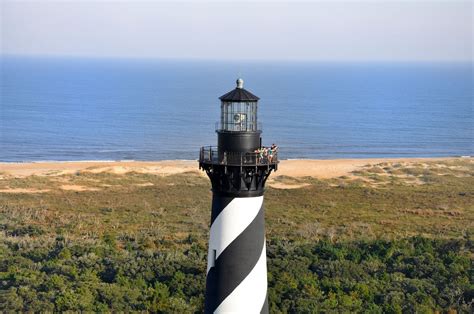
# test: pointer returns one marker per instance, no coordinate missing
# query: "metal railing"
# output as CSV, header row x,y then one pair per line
x,y
231,126
211,155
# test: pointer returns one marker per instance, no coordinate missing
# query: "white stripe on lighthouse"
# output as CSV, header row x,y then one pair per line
x,y
230,222
250,294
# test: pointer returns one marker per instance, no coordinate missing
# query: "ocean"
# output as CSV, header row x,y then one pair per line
x,y
122,109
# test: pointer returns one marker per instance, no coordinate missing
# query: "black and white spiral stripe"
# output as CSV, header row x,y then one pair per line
x,y
237,267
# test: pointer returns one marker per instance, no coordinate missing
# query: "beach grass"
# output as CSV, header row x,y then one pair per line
x,y
434,200
140,213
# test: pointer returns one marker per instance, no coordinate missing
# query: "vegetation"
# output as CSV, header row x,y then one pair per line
x,y
391,238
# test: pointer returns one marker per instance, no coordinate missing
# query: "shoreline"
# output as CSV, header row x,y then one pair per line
x,y
319,168
170,160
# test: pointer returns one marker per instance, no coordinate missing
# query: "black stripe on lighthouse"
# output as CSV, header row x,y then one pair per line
x,y
218,204
237,274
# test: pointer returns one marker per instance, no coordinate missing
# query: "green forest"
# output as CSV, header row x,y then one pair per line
x,y
392,238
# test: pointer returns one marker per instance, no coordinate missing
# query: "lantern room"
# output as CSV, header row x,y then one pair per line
x,y
239,141
239,110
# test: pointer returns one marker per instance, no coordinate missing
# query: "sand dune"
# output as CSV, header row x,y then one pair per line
x,y
323,169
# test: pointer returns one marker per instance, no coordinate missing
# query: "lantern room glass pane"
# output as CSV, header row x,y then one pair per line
x,y
239,116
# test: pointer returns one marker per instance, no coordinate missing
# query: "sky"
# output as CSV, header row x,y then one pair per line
x,y
262,30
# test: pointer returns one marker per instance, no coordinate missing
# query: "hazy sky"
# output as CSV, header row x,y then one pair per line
x,y
318,30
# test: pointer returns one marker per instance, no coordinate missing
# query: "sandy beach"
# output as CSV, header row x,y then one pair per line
x,y
323,169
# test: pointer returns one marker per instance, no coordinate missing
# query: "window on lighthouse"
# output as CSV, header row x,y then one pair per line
x,y
239,116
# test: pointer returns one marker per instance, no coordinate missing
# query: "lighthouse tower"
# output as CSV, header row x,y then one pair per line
x,y
238,169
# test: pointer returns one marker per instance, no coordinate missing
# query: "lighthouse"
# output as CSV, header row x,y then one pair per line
x,y
236,280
